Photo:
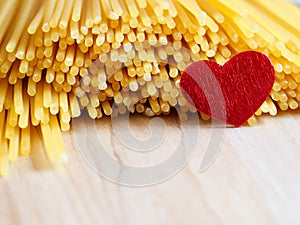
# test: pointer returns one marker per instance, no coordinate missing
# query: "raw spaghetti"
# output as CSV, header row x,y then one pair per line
x,y
59,57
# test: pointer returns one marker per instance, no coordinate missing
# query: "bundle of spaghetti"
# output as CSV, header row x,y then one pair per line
x,y
109,57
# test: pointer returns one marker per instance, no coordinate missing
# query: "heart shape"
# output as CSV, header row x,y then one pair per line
x,y
231,93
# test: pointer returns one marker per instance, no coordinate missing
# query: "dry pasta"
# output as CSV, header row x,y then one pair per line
x,y
59,57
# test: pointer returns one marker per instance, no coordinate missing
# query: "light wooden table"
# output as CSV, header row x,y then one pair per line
x,y
254,180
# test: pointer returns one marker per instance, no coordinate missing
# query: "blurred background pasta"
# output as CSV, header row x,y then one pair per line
x,y
58,58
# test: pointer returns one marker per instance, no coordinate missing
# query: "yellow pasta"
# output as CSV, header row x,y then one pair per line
x,y
59,57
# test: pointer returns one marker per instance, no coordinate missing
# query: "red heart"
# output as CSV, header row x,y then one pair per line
x,y
231,93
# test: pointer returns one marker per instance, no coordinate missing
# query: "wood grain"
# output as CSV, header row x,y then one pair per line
x,y
254,180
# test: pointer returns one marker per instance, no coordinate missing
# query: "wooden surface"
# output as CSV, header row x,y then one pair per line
x,y
254,180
